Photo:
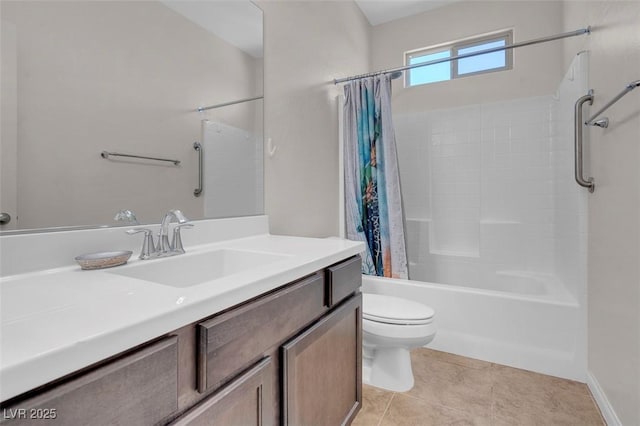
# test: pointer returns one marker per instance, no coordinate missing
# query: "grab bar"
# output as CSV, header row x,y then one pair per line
x,y
587,183
107,154
604,121
198,148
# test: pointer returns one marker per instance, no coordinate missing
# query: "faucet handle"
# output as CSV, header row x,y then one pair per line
x,y
177,239
148,247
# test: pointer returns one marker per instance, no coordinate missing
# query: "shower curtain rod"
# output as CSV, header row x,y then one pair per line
x,y
468,55
201,109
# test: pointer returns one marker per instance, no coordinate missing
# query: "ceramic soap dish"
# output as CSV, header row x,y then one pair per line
x,y
105,259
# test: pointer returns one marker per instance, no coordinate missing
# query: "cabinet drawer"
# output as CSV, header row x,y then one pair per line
x,y
232,341
343,279
244,401
137,389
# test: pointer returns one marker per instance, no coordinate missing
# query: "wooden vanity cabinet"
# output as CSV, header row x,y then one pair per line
x,y
311,330
291,356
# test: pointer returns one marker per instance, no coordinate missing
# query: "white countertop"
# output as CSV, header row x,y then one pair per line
x,y
56,321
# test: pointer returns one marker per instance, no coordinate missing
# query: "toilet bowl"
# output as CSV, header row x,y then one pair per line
x,y
391,328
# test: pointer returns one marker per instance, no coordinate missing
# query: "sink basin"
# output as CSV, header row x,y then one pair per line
x,y
192,269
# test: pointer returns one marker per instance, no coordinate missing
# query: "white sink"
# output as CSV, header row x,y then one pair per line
x,y
191,269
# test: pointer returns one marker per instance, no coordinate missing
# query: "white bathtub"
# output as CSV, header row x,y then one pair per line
x,y
537,328
527,285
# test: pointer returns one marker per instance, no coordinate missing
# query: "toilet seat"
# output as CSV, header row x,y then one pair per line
x,y
394,310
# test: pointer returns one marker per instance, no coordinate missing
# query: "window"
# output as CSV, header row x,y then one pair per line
x,y
447,70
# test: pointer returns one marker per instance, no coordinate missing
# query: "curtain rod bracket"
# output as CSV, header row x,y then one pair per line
x,y
603,122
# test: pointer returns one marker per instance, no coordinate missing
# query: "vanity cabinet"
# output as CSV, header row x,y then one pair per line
x,y
291,356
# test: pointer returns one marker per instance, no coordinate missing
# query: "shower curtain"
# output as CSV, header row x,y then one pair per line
x,y
373,202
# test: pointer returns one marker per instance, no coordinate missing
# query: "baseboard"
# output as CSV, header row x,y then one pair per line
x,y
603,403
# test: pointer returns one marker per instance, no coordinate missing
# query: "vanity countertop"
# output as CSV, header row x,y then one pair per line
x,y
57,321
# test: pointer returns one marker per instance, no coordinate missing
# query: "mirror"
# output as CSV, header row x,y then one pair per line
x,y
127,77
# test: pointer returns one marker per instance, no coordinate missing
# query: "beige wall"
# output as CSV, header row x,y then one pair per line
x,y
537,70
9,124
614,207
119,76
307,44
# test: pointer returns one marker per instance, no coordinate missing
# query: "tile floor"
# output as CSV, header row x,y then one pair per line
x,y
454,390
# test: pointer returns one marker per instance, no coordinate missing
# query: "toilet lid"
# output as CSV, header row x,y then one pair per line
x,y
394,310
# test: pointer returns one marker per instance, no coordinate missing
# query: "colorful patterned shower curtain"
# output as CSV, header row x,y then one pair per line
x,y
373,201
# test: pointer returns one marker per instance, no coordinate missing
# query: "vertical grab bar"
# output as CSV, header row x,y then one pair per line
x,y
198,148
578,123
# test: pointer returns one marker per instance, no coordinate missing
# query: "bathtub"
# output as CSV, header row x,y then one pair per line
x,y
536,325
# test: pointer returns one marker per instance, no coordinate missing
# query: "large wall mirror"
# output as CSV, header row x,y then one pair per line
x,y
80,78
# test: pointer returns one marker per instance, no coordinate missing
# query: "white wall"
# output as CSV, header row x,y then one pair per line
x,y
536,69
307,45
614,207
117,76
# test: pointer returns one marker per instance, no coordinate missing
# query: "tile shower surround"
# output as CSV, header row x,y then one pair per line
x,y
490,187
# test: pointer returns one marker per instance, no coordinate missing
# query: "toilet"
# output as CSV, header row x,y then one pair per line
x,y
392,326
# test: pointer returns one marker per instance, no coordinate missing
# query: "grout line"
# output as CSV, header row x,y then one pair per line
x,y
384,413
414,397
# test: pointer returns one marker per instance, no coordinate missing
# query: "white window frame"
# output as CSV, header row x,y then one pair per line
x,y
454,47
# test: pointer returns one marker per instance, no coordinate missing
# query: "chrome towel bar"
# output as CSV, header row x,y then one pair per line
x,y
604,121
107,154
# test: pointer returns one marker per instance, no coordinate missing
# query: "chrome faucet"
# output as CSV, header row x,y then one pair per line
x,y
164,248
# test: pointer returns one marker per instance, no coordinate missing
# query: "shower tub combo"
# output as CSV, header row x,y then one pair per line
x,y
532,326
495,228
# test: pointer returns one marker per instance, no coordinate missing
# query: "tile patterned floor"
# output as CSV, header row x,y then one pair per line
x,y
454,390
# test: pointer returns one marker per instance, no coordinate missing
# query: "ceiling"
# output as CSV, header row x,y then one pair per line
x,y
381,11
239,22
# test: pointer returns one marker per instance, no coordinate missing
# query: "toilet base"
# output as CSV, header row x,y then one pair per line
x,y
387,368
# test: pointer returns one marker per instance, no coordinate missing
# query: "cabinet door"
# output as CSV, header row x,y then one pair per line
x,y
322,369
244,401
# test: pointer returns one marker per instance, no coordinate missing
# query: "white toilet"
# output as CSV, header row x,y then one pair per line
x,y
391,328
